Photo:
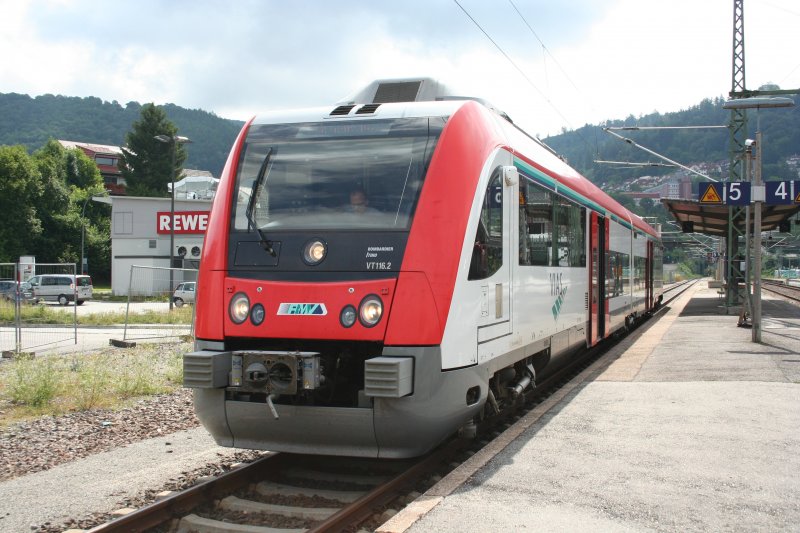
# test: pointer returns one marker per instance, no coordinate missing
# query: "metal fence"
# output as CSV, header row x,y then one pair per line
x,y
23,329
151,312
163,313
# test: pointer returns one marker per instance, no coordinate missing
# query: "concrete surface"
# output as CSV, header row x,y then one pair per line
x,y
685,426
100,482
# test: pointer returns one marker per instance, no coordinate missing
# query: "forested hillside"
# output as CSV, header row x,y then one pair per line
x,y
582,147
32,121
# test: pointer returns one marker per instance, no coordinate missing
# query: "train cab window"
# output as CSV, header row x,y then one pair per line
x,y
300,176
487,252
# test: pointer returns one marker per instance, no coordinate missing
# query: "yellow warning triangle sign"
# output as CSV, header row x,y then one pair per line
x,y
711,196
797,198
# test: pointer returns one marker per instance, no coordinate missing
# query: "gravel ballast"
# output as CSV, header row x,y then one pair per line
x,y
74,470
46,442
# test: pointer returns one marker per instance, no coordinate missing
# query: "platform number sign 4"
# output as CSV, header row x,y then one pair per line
x,y
782,192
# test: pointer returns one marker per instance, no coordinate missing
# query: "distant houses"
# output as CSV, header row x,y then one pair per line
x,y
107,158
194,185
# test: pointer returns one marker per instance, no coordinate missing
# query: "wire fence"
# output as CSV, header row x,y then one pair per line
x,y
25,330
164,300
159,308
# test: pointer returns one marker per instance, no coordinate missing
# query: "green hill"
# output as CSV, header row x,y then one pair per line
x,y
32,121
582,147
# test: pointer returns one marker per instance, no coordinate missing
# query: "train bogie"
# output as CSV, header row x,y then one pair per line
x,y
379,275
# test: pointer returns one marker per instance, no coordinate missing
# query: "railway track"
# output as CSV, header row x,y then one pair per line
x,y
296,493
288,493
792,292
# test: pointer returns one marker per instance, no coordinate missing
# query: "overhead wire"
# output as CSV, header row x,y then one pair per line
x,y
544,47
517,67
563,71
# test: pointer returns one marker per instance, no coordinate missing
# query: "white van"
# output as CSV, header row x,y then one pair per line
x,y
61,288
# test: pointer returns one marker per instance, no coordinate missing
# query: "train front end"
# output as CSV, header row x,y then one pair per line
x,y
300,270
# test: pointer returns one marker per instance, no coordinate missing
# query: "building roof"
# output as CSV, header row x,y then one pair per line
x,y
95,148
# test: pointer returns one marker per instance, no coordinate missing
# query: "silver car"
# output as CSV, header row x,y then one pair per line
x,y
184,293
11,290
61,288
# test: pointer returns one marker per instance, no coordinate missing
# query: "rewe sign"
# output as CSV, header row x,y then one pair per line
x,y
185,222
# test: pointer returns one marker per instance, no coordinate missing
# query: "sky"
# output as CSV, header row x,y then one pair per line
x,y
551,66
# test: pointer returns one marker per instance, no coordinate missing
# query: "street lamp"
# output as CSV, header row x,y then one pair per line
x,y
173,141
83,234
84,269
759,102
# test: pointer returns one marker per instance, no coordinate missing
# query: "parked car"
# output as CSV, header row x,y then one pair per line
x,y
10,289
184,293
61,288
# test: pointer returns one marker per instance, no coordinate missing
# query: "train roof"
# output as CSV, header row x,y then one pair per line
x,y
426,97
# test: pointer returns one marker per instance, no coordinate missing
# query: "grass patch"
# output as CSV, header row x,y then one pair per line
x,y
42,314
57,384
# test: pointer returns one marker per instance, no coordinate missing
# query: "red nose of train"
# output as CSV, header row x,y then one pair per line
x,y
356,310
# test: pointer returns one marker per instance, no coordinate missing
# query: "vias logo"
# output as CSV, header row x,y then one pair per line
x,y
308,309
556,309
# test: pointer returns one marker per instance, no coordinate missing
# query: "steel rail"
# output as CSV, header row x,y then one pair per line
x,y
184,501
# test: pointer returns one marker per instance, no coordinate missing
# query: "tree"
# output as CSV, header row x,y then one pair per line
x,y
82,171
146,162
43,197
19,188
88,221
53,244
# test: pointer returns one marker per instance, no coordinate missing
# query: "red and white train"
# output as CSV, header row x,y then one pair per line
x,y
377,275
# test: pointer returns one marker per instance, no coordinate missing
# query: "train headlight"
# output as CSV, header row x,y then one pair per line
x,y
370,311
257,314
348,316
239,308
314,252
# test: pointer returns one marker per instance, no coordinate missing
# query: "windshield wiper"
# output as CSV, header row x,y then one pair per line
x,y
254,194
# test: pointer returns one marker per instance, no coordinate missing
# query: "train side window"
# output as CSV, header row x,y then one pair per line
x,y
535,224
569,230
552,229
487,252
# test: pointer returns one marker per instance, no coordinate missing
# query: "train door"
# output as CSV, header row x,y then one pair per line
x,y
648,276
597,271
494,242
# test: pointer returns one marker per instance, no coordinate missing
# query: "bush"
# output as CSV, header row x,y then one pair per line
x,y
93,378
53,384
34,381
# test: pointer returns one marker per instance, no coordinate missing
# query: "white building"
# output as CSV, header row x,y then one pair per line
x,y
140,235
196,184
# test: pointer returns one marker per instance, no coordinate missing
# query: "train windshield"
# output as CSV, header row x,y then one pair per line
x,y
334,175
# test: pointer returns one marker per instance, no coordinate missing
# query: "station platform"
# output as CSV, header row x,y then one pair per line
x,y
685,425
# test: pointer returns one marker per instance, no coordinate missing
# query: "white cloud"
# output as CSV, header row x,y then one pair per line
x,y
238,58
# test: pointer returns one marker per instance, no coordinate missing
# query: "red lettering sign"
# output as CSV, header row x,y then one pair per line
x,y
185,222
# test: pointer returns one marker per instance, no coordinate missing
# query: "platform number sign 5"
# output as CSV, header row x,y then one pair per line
x,y
737,193
733,193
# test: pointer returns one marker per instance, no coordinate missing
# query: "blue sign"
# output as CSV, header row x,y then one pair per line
x,y
735,193
782,192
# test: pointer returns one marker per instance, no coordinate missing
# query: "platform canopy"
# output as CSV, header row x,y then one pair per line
x,y
713,219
